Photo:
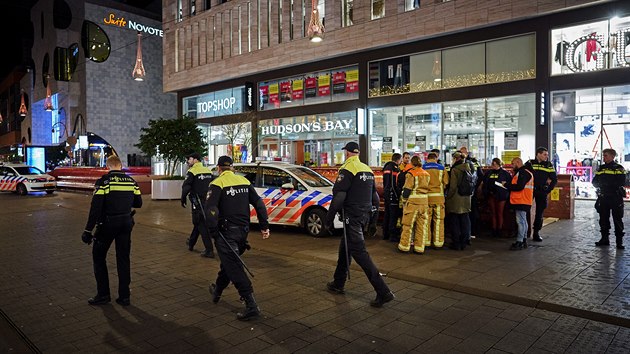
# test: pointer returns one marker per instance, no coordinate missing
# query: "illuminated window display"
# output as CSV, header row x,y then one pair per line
x,y
584,122
488,127
592,46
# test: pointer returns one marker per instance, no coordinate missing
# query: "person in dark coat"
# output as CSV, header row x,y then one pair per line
x,y
458,206
609,180
496,195
391,193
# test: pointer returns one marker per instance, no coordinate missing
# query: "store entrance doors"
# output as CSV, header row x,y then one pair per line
x,y
322,153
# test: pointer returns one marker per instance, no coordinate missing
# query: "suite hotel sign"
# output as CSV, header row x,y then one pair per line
x,y
113,20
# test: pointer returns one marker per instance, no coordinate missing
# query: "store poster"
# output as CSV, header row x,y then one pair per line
x,y
588,139
264,94
323,85
352,80
462,140
310,84
562,106
285,91
510,140
339,82
387,144
298,89
421,143
274,97
565,148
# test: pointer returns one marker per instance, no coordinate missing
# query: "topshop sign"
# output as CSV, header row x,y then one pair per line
x,y
218,103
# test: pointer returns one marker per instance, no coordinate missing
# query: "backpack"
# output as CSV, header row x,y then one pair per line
x,y
467,184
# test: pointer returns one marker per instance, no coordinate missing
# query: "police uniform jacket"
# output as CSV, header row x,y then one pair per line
x,y
354,189
391,172
437,182
229,198
197,182
610,179
456,203
491,189
115,194
543,171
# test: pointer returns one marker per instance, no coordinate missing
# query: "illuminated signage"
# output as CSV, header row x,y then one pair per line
x,y
599,48
114,20
344,124
218,103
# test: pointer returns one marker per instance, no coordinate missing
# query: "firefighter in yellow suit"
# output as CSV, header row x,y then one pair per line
x,y
415,208
437,183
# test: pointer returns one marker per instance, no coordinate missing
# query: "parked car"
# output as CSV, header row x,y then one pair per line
x,y
294,195
24,179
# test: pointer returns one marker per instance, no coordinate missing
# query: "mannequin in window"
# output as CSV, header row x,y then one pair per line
x,y
561,49
591,48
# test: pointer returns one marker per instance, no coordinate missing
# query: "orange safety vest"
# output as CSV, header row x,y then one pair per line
x,y
525,196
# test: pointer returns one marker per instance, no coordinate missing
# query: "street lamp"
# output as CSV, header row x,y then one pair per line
x,y
315,26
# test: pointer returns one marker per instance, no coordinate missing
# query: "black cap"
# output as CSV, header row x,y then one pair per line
x,y
194,155
225,161
352,147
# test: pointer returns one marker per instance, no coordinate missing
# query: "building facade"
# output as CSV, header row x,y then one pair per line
x,y
84,53
500,77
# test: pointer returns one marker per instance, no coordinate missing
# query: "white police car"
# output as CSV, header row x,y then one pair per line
x,y
294,195
24,179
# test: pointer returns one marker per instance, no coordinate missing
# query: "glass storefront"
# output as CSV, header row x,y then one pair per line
x,y
488,127
233,140
314,140
584,122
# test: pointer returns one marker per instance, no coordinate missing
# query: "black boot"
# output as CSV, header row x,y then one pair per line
x,y
251,309
603,241
215,292
537,237
619,240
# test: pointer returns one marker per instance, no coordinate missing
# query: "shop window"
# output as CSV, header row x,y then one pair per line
x,y
458,73
347,13
180,11
412,5
510,128
193,7
425,71
511,59
208,4
386,134
591,46
422,128
95,42
378,9
389,77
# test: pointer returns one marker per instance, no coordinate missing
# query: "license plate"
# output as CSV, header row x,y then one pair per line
x,y
49,184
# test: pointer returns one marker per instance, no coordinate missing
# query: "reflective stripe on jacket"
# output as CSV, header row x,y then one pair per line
x,y
526,195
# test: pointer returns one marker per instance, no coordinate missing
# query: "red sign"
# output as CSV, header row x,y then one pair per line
x,y
311,87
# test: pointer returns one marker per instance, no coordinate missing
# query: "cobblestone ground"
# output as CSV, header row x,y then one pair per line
x,y
47,277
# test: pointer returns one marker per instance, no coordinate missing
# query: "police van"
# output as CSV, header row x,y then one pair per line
x,y
24,179
294,195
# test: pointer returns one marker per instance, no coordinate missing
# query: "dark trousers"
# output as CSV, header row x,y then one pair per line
x,y
231,269
392,213
119,230
356,249
459,228
199,228
606,206
473,228
540,200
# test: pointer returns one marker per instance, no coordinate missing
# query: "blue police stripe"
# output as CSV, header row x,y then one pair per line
x,y
324,200
267,192
310,197
293,196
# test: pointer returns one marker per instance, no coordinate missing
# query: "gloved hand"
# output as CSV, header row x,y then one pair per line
x,y
87,237
183,202
329,224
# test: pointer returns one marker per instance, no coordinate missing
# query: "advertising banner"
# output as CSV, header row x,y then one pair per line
x,y
298,89
323,85
311,87
352,80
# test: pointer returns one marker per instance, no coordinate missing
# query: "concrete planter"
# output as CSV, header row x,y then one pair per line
x,y
166,188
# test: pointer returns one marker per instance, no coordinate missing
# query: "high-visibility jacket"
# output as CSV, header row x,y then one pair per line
x,y
416,187
522,195
437,182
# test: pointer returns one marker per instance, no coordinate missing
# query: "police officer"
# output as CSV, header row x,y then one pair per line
x,y
195,187
227,209
609,181
391,170
354,197
545,180
115,194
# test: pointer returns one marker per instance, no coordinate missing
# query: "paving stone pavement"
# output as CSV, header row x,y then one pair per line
x,y
486,299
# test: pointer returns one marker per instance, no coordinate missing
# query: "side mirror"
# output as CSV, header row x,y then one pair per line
x,y
287,186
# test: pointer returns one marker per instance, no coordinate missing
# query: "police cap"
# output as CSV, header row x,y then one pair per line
x,y
351,147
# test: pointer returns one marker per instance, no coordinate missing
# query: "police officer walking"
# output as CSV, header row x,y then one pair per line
x,y
115,194
227,209
545,180
195,187
354,197
391,193
609,181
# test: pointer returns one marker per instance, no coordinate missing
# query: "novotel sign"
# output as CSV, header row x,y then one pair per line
x,y
113,20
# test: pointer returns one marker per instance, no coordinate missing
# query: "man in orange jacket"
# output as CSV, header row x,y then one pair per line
x,y
521,200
